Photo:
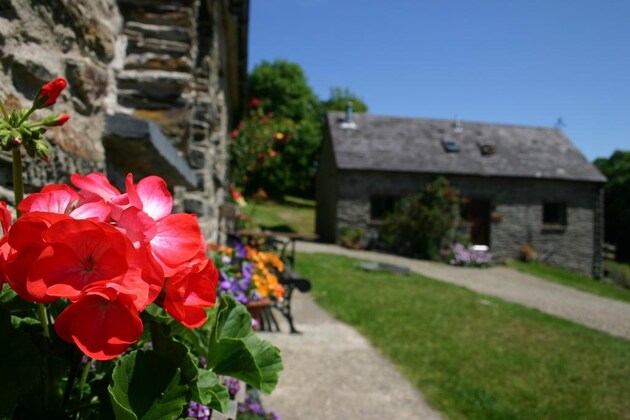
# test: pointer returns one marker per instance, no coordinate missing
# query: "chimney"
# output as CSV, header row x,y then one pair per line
x,y
347,122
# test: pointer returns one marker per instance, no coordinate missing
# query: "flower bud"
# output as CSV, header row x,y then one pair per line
x,y
55,120
41,150
49,93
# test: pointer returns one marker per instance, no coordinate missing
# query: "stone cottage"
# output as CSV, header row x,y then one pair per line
x,y
523,185
153,88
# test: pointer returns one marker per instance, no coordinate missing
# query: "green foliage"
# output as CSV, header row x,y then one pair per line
x,y
260,153
473,356
281,87
146,383
617,201
339,99
422,223
351,235
19,364
619,273
236,351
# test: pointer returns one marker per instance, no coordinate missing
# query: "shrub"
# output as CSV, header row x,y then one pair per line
x,y
351,236
423,222
619,273
272,155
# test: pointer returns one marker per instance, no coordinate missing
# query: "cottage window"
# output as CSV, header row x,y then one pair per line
x,y
381,205
554,213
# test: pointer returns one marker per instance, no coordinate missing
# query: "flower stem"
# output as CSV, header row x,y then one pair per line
x,y
84,375
18,184
28,113
18,191
43,319
4,112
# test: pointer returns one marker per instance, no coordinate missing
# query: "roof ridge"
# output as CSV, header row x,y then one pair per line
x,y
407,118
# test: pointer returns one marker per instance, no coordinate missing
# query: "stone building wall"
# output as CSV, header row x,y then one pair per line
x,y
516,215
42,40
173,73
171,63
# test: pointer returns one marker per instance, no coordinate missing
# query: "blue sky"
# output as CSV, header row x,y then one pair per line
x,y
514,62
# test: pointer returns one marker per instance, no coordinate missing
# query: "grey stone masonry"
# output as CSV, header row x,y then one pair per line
x,y
176,68
516,214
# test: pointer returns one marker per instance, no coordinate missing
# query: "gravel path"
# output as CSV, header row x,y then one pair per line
x,y
608,315
331,372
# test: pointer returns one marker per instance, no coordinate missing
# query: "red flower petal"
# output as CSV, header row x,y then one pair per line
x,y
52,198
177,241
157,201
190,291
103,325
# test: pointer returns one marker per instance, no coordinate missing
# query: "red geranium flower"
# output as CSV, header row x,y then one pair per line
x,y
49,93
103,323
78,253
190,290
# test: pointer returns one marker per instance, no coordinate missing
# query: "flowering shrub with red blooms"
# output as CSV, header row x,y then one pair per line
x,y
258,149
115,273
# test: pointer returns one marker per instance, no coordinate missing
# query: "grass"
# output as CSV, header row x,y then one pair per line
x,y
577,281
292,215
472,356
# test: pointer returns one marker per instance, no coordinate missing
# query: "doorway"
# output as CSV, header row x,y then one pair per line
x,y
476,213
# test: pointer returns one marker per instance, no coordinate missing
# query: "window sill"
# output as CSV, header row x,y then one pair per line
x,y
553,228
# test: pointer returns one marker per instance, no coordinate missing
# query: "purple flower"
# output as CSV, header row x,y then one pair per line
x,y
233,385
470,256
198,411
240,250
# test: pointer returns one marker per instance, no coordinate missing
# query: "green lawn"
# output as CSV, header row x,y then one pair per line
x,y
473,356
292,215
577,281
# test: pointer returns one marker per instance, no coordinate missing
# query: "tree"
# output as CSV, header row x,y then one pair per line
x,y
339,99
617,201
281,87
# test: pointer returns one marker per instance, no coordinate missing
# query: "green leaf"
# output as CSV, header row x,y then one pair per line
x,y
234,349
175,352
211,392
19,364
146,385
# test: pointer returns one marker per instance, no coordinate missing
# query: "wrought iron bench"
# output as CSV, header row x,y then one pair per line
x,y
284,244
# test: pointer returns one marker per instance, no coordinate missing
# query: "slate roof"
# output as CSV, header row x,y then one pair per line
x,y
416,145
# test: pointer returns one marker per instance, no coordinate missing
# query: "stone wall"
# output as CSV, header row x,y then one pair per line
x,y
171,63
173,73
516,217
42,40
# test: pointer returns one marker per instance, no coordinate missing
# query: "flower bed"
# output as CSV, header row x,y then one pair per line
x,y
468,256
248,274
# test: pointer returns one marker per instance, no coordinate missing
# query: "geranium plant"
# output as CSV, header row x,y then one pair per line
x,y
91,272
